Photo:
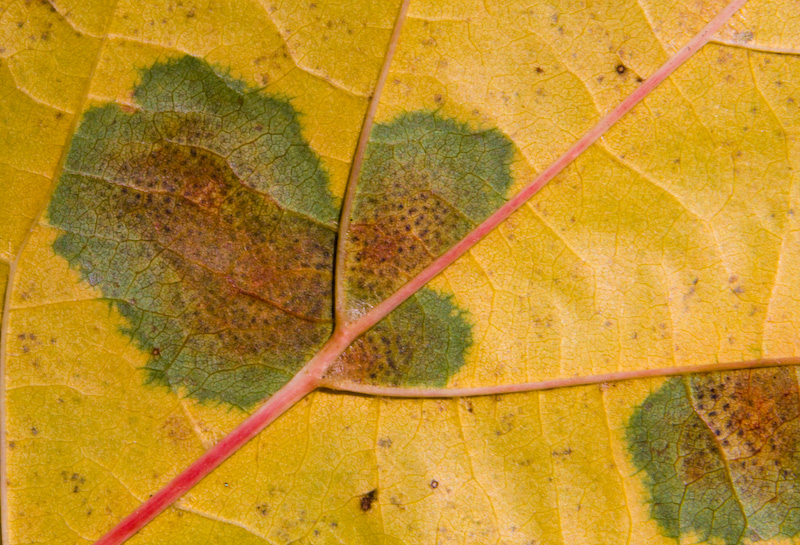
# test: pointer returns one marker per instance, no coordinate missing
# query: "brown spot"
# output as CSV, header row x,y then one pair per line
x,y
620,69
176,429
434,484
368,499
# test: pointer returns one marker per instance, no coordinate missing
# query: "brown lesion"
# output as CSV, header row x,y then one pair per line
x,y
398,233
753,418
697,452
377,356
745,410
250,280
368,499
226,238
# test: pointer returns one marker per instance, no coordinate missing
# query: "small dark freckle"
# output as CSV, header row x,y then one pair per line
x,y
639,79
34,431
539,70
156,351
620,69
434,484
368,499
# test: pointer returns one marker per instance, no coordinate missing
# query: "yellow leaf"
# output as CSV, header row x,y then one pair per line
x,y
216,213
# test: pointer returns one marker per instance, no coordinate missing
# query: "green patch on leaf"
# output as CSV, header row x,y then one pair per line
x,y
720,455
206,218
421,343
425,183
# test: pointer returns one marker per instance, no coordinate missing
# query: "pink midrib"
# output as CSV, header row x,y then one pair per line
x,y
309,378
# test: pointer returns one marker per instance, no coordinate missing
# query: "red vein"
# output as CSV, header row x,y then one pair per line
x,y
310,377
296,389
355,169
391,391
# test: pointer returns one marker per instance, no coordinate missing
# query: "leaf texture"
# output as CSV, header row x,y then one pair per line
x,y
173,177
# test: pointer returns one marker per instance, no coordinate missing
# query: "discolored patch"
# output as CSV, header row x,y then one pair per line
x,y
721,455
368,499
421,343
205,217
425,183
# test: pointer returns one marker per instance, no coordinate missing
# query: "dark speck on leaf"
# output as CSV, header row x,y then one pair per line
x,y
368,498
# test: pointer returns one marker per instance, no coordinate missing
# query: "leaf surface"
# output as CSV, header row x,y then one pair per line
x,y
174,175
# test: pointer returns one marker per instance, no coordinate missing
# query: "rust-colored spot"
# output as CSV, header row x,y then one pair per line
x,y
368,499
216,244
727,442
